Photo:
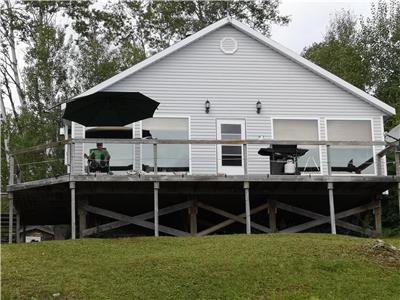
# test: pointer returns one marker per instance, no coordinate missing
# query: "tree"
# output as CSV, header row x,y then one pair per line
x,y
341,51
159,24
380,36
365,52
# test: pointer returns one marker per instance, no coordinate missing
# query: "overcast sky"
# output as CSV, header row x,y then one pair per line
x,y
310,18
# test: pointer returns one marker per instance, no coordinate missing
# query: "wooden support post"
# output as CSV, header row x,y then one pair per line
x,y
378,217
11,199
155,159
272,215
82,217
246,187
17,227
73,208
24,233
332,208
156,224
10,217
397,159
193,218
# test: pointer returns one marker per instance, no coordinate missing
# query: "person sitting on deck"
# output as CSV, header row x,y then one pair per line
x,y
99,159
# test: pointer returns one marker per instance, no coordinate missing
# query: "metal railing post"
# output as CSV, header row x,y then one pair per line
x,y
245,167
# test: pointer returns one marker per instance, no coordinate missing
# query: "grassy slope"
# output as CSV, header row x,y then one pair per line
x,y
301,266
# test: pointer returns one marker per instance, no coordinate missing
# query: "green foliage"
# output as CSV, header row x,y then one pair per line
x,y
32,129
161,23
365,52
341,52
283,266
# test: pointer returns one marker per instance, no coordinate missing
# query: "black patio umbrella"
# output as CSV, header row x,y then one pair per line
x,y
110,108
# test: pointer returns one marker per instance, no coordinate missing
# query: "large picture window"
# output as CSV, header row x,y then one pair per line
x,y
170,158
300,130
350,159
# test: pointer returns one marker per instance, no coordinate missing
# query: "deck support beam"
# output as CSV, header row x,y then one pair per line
x,y
246,187
17,227
397,163
82,217
11,199
156,224
272,215
378,218
332,207
10,217
232,218
321,219
193,218
72,186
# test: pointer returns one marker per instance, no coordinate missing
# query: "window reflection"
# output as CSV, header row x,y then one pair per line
x,y
170,158
351,159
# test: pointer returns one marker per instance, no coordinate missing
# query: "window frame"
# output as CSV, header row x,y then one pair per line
x,y
318,119
371,120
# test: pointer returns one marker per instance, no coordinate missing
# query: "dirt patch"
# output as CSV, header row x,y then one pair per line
x,y
383,253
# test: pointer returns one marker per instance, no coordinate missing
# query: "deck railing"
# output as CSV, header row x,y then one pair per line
x,y
67,159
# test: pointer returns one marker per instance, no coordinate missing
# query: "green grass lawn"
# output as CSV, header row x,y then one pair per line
x,y
278,266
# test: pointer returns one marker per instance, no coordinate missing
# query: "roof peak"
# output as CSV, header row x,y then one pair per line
x,y
262,39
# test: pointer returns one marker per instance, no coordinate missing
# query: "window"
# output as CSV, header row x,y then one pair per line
x,y
170,158
351,159
231,155
300,130
230,159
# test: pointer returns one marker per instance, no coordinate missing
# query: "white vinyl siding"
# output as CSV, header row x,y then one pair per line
x,y
233,83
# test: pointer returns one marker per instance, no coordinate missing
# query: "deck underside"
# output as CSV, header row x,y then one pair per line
x,y
300,199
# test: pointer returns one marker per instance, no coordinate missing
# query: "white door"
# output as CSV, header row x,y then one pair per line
x,y
230,157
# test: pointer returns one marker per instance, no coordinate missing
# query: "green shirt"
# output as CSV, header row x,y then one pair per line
x,y
99,154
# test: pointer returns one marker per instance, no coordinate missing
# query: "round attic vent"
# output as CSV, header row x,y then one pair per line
x,y
228,45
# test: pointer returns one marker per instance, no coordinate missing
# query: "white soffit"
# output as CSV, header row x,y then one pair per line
x,y
387,109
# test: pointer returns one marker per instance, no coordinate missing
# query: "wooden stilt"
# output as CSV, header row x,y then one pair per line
x,y
246,187
332,208
11,200
17,227
397,159
272,215
378,217
193,218
156,225
10,217
82,217
24,233
73,208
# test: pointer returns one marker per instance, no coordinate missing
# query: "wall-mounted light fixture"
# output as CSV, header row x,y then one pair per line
x,y
207,105
258,106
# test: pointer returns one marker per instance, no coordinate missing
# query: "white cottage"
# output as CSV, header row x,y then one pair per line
x,y
255,89
226,82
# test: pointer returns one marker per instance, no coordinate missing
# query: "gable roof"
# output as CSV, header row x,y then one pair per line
x,y
387,109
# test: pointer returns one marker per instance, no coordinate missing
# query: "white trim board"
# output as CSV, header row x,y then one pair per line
x,y
385,108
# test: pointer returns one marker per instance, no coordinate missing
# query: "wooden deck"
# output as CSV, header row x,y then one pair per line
x,y
183,205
